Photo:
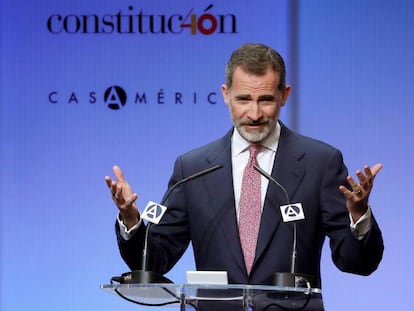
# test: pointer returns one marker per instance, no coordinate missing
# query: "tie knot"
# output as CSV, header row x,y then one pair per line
x,y
254,149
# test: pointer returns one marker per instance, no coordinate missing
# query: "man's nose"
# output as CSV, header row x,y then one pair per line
x,y
255,113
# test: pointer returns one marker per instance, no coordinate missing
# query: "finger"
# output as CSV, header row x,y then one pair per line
x,y
108,181
364,181
111,185
368,172
118,173
376,168
362,178
352,182
118,191
356,188
346,192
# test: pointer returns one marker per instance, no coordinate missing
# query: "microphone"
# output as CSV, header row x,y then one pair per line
x,y
291,212
153,213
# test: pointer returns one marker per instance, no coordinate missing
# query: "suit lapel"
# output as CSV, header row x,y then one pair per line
x,y
288,171
220,186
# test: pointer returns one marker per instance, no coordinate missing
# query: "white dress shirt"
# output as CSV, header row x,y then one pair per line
x,y
240,156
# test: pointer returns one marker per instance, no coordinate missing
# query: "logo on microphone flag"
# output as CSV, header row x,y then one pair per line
x,y
153,212
292,212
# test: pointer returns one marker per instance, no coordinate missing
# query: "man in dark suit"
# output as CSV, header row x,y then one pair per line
x,y
209,211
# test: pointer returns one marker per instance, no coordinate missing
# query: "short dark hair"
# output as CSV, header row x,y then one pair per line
x,y
256,58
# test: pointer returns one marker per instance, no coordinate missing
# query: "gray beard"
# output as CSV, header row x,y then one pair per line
x,y
256,136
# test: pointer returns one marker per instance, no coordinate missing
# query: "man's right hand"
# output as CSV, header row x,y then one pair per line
x,y
124,197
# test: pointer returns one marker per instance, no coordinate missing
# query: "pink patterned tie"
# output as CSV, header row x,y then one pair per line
x,y
250,208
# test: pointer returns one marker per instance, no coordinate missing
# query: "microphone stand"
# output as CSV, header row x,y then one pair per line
x,y
292,278
144,276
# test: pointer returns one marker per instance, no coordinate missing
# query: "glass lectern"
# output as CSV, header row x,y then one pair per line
x,y
219,297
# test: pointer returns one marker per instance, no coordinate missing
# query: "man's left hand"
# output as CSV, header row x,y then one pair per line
x,y
357,198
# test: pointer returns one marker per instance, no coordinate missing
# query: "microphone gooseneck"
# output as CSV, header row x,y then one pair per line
x,y
144,261
191,177
144,276
288,201
291,279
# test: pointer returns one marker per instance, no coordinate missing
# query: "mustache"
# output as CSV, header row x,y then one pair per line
x,y
255,122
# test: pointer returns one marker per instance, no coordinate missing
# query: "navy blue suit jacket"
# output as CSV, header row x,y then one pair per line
x,y
203,211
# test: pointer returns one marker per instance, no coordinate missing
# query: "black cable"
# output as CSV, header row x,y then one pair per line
x,y
178,300
144,303
290,309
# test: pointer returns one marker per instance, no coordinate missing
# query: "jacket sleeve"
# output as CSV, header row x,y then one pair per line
x,y
348,253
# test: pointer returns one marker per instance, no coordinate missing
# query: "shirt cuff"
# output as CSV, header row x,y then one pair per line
x,y
363,225
126,233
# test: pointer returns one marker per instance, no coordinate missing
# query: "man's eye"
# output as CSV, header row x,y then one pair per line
x,y
266,102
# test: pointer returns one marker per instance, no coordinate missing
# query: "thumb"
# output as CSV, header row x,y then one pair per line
x,y
376,168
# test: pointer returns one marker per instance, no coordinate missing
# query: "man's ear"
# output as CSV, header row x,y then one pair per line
x,y
225,93
285,95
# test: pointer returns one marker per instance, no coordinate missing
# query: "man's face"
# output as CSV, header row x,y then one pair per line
x,y
255,103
